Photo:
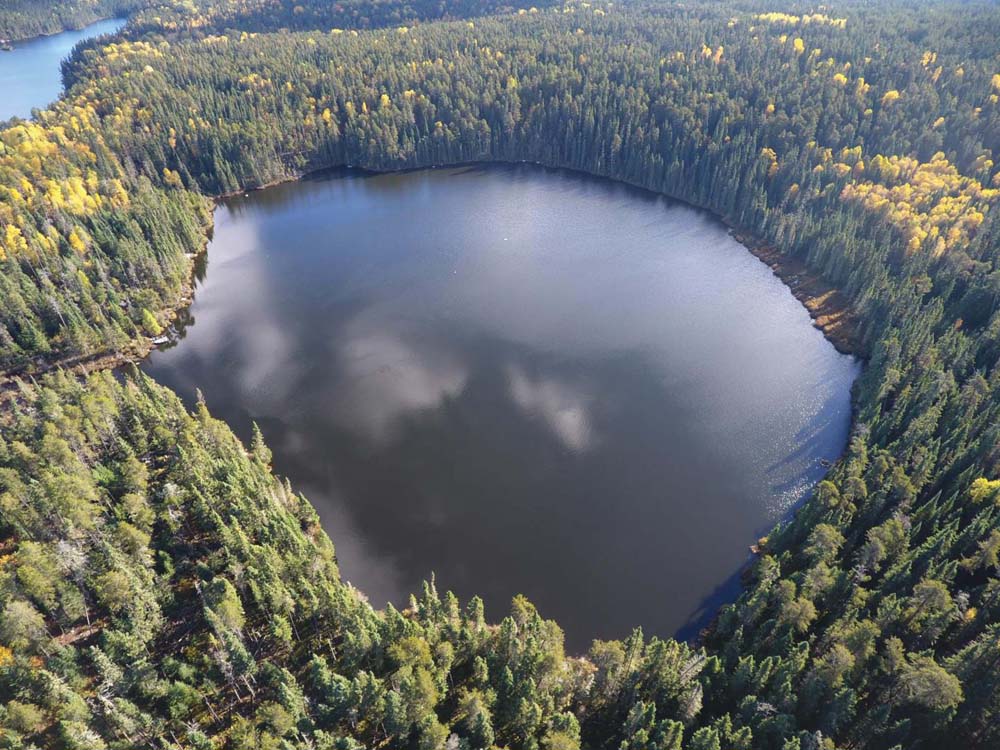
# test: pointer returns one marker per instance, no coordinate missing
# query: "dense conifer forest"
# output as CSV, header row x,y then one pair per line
x,y
159,587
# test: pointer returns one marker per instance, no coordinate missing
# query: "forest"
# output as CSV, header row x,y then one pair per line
x,y
24,19
160,587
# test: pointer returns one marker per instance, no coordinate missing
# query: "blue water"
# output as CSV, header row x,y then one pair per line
x,y
29,74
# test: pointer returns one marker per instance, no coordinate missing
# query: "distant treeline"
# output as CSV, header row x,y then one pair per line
x,y
859,139
23,19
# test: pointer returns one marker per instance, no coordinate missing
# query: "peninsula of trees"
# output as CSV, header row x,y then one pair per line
x,y
159,587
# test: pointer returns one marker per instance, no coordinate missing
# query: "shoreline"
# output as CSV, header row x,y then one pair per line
x,y
63,30
133,353
830,311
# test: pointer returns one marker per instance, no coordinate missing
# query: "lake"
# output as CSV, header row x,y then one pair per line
x,y
30,74
519,379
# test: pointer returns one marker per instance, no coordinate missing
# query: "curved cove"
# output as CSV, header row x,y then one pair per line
x,y
522,380
30,72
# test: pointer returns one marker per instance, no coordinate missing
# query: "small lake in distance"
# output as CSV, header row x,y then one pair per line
x,y
30,74
524,380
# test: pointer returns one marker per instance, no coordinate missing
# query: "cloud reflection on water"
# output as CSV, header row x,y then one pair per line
x,y
562,406
383,378
544,384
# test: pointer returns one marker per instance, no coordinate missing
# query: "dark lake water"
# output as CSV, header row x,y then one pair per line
x,y
525,381
30,75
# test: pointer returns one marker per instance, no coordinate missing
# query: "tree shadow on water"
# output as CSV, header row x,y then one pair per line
x,y
709,607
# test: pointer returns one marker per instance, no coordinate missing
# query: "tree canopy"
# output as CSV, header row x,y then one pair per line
x,y
159,586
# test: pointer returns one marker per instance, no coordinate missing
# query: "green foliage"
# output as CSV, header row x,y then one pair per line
x,y
158,583
230,617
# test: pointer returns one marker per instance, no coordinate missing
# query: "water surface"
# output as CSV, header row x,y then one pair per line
x,y
30,74
522,380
